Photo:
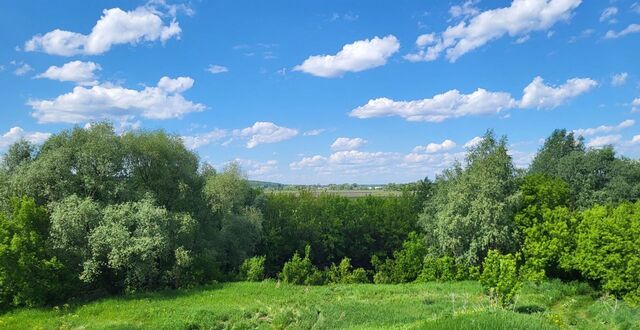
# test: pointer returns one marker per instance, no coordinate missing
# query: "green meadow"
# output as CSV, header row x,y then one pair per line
x,y
274,305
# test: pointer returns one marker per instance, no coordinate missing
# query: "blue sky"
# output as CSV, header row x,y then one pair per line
x,y
326,91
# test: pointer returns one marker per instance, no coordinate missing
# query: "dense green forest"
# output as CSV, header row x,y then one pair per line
x,y
91,213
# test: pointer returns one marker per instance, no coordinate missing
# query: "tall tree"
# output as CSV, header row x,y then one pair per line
x,y
557,146
473,206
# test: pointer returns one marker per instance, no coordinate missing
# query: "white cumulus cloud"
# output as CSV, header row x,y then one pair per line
x,y
604,128
354,157
541,96
454,104
17,133
604,140
519,19
344,143
256,168
199,140
312,161
106,101
264,132
451,104
115,27
473,142
436,147
355,57
79,72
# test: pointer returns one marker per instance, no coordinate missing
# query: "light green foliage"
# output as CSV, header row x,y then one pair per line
x,y
608,248
472,207
252,269
500,277
546,224
429,272
446,268
345,274
229,191
29,273
72,221
19,153
300,270
136,246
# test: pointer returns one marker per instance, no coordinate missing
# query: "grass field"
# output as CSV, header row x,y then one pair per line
x,y
270,305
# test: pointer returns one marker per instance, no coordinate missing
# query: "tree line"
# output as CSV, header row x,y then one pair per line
x,y
91,212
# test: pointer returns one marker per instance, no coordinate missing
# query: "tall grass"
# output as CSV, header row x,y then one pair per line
x,y
272,305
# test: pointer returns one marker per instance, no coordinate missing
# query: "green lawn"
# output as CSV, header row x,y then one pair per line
x,y
459,305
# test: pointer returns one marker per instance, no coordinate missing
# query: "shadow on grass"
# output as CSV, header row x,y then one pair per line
x,y
100,295
529,309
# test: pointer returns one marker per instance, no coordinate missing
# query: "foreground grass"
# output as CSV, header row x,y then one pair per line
x,y
459,305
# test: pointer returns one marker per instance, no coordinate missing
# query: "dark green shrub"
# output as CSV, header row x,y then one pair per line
x,y
406,264
383,270
252,269
335,226
408,260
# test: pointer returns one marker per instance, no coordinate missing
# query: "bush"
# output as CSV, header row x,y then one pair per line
x,y
408,260
406,264
300,270
139,246
345,274
252,269
446,268
383,270
547,226
608,248
29,273
500,277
